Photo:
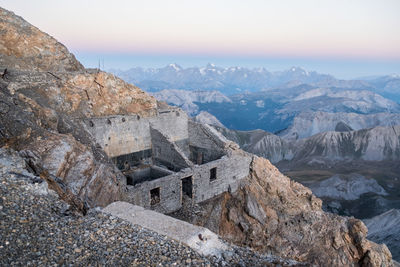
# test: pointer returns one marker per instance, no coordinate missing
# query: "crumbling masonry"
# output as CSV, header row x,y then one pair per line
x,y
168,159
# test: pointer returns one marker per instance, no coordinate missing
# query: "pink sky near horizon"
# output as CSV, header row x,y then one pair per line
x,y
368,29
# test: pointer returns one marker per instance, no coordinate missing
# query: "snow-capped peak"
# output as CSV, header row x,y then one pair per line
x,y
175,66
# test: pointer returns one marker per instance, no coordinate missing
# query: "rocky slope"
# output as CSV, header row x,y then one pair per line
x,y
384,228
336,100
207,118
355,173
38,229
25,47
307,124
261,143
376,144
346,187
274,214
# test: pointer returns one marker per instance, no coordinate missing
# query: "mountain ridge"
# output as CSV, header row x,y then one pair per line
x,y
232,80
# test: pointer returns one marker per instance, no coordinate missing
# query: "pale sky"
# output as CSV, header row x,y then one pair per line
x,y
313,33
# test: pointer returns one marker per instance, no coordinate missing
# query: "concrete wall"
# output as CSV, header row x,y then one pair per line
x,y
167,153
143,174
170,138
122,135
205,140
170,192
230,170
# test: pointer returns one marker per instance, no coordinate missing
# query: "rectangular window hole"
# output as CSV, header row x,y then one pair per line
x,y
155,196
129,180
213,174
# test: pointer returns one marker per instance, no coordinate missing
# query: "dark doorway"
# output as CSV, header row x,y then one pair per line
x,y
154,196
129,180
213,174
187,186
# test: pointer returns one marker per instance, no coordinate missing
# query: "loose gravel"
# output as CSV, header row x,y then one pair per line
x,y
37,229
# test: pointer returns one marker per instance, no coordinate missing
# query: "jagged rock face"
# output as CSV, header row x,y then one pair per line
x,y
95,182
108,95
28,126
24,47
82,94
274,214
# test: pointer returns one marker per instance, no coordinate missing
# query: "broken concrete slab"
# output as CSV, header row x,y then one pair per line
x,y
198,238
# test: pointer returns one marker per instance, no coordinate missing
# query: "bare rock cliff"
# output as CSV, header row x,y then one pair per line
x,y
23,46
274,214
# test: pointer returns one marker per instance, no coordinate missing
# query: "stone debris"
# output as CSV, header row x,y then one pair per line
x,y
199,238
35,230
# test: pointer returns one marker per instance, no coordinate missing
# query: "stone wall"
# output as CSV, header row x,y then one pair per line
x,y
168,140
122,135
205,140
167,153
230,170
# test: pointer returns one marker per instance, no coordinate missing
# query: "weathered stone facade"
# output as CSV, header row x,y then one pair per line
x,y
167,158
121,135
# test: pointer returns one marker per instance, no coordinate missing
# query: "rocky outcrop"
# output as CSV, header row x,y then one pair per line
x,y
25,47
89,93
274,214
384,228
61,146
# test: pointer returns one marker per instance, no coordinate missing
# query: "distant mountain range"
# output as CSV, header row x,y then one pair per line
x,y
233,80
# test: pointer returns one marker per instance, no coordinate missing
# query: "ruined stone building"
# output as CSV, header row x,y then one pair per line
x,y
168,158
